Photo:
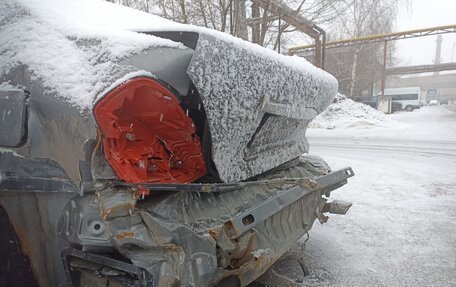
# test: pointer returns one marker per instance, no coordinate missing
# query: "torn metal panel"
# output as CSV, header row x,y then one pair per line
x,y
20,174
337,207
80,223
185,237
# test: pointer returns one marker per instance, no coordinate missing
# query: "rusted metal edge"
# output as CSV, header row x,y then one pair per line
x,y
238,225
322,182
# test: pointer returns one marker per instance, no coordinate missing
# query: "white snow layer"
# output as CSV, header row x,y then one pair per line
x,y
345,113
401,228
73,46
75,58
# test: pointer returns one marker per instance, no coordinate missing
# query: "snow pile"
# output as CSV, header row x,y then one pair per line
x,y
452,106
345,113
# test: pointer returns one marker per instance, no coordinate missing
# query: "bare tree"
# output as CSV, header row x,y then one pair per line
x,y
234,16
272,31
358,67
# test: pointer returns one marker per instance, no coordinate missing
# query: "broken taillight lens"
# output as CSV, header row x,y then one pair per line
x,y
147,137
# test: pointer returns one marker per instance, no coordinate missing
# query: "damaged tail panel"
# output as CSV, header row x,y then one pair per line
x,y
205,238
172,156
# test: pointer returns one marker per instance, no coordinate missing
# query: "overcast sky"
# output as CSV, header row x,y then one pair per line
x,y
424,14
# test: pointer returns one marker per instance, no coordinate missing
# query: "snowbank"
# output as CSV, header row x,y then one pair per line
x,y
345,113
452,107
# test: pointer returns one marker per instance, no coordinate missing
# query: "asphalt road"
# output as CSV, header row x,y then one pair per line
x,y
401,229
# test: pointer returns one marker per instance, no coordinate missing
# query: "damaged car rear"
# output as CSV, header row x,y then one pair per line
x,y
139,152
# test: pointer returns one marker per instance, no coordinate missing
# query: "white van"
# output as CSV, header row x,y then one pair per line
x,y
409,97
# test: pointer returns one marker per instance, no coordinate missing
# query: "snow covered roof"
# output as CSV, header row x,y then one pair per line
x,y
74,47
64,46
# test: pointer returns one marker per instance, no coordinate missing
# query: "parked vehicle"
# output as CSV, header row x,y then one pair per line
x,y
433,103
396,107
368,100
135,151
409,98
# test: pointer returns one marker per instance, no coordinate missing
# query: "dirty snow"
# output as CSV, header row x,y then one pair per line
x,y
345,113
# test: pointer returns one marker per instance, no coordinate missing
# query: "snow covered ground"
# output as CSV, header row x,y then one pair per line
x,y
401,229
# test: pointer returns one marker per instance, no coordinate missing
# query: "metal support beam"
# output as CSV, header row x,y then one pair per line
x,y
292,17
245,221
385,48
421,69
379,38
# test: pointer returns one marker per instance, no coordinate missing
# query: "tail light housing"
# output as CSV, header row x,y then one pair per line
x,y
146,135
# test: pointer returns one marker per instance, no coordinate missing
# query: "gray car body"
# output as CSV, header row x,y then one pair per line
x,y
50,157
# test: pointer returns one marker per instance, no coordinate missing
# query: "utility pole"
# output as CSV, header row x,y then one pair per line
x,y
438,50
280,34
256,24
231,17
239,22
385,48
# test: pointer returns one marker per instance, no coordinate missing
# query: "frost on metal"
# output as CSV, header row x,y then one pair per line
x,y
258,107
258,102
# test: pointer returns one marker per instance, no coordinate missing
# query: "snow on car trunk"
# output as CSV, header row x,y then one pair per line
x,y
257,102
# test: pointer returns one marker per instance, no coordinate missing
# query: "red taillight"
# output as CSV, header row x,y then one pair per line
x,y
147,137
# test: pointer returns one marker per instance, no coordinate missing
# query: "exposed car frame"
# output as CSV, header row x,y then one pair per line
x,y
206,186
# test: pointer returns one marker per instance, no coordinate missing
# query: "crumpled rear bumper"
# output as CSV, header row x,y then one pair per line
x,y
206,239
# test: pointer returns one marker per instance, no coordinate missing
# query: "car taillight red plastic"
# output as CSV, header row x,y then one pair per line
x,y
147,137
